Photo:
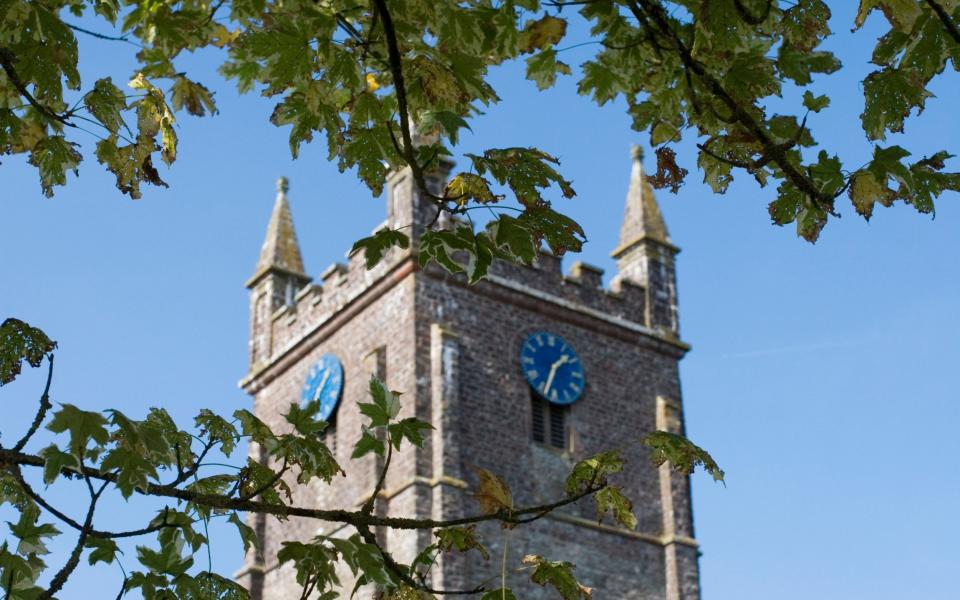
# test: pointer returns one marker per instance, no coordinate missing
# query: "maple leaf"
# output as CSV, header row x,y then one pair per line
x,y
558,574
492,492
20,342
541,33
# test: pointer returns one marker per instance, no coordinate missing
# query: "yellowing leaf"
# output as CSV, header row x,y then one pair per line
x,y
542,33
223,36
466,187
865,191
902,14
492,492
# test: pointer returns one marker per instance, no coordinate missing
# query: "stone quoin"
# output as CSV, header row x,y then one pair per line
x,y
453,349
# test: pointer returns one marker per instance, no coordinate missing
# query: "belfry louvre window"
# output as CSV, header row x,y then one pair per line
x,y
548,422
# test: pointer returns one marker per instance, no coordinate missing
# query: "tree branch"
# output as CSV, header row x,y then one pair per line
x,y
945,19
396,69
368,505
740,114
6,62
355,518
101,36
41,411
401,573
56,584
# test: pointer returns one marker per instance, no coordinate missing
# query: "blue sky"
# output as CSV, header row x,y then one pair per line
x,y
823,378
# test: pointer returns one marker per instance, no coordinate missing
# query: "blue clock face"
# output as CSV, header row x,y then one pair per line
x,y
552,368
324,383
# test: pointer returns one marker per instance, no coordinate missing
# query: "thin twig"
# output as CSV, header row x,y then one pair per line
x,y
41,411
122,38
355,518
367,507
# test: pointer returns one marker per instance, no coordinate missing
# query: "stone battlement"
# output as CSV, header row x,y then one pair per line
x,y
581,288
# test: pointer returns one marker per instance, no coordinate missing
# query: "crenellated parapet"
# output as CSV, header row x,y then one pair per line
x,y
581,287
287,304
337,287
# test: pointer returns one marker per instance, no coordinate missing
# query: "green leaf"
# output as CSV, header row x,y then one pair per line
x,y
132,469
593,471
385,406
375,246
561,233
31,534
929,181
105,550
106,102
82,425
18,575
193,96
169,560
217,429
815,103
20,342
682,454
509,235
251,426
408,429
310,454
558,574
368,443
891,95
54,156
433,121
805,24
54,461
305,418
247,533
524,170
611,499
827,174
543,67
461,539
600,81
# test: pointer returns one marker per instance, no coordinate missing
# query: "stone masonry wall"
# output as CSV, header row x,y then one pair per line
x,y
453,350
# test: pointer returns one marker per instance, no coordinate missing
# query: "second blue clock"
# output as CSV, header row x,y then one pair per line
x,y
324,383
552,368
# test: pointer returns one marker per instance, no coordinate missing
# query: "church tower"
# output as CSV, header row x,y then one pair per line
x,y
523,373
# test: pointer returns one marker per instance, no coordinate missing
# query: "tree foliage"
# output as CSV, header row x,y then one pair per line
x,y
389,85
111,452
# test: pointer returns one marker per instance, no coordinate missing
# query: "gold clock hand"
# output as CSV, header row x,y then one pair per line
x,y
564,359
323,382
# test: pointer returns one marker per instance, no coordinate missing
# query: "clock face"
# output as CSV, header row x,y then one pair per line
x,y
552,368
324,383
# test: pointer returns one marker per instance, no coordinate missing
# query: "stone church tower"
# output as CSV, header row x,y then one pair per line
x,y
455,351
